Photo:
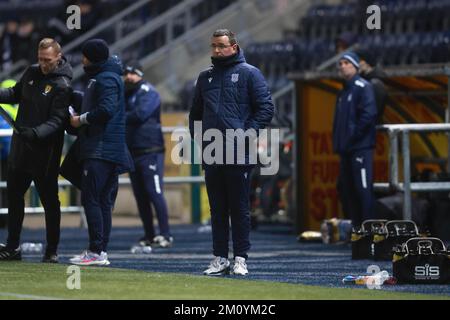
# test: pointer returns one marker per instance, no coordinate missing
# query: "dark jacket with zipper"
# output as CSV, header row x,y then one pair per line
x,y
354,125
143,119
231,95
104,102
43,101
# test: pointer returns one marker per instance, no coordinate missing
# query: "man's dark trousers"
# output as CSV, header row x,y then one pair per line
x,y
99,188
147,183
228,188
355,185
18,182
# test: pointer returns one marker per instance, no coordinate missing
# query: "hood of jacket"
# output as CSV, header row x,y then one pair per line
x,y
63,69
113,64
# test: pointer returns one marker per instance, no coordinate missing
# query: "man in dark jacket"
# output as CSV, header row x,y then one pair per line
x,y
354,141
146,144
370,71
43,94
230,95
102,146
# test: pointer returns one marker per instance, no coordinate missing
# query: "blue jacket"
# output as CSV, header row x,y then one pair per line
x,y
143,118
231,95
355,117
104,102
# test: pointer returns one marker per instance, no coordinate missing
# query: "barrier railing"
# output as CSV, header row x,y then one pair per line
x,y
407,187
122,180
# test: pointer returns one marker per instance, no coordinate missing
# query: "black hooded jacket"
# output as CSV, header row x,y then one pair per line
x,y
375,78
43,105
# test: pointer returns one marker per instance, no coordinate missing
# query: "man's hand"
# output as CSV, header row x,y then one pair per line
x,y
28,134
75,121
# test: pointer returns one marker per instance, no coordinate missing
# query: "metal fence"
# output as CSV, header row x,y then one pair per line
x,y
122,181
395,132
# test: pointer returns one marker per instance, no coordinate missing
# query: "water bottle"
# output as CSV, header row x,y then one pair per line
x,y
326,230
380,277
349,280
30,247
141,249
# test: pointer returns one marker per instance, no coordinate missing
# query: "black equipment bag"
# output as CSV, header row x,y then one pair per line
x,y
362,240
422,261
396,232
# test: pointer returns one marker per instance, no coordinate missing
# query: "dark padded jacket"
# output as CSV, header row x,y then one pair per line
x,y
231,95
143,119
354,117
104,102
43,101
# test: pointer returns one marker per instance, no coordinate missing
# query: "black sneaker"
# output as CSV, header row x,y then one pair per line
x,y
10,255
50,258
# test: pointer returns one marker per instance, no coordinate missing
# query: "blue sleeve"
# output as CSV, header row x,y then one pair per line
x,y
196,113
367,112
261,102
146,103
107,93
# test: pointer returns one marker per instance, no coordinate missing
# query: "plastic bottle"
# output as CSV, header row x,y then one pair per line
x,y
375,280
30,247
326,229
141,249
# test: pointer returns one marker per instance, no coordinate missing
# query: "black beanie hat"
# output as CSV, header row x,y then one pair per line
x,y
95,50
367,56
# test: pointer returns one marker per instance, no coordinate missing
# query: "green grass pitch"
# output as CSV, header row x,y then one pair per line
x,y
22,280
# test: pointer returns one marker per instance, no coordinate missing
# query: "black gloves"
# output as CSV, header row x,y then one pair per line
x,y
28,134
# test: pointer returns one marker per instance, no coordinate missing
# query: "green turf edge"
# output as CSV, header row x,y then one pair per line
x,y
45,280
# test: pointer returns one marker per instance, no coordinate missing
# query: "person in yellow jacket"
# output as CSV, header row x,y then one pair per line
x,y
10,108
5,143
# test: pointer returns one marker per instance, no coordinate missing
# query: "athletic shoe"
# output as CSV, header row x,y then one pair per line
x,y
145,242
218,266
162,242
50,258
9,255
88,258
240,267
80,256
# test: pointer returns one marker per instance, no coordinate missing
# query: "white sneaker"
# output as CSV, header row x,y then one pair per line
x,y
240,267
162,242
88,258
219,266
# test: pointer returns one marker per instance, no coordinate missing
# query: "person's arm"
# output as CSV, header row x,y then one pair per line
x,y
261,102
366,112
11,95
147,102
107,93
196,113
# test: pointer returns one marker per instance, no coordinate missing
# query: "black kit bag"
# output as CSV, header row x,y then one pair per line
x,y
422,261
362,240
72,167
396,233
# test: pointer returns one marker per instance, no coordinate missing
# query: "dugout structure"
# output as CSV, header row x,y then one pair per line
x,y
417,94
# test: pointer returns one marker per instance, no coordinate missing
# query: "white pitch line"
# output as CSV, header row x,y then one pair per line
x,y
27,296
